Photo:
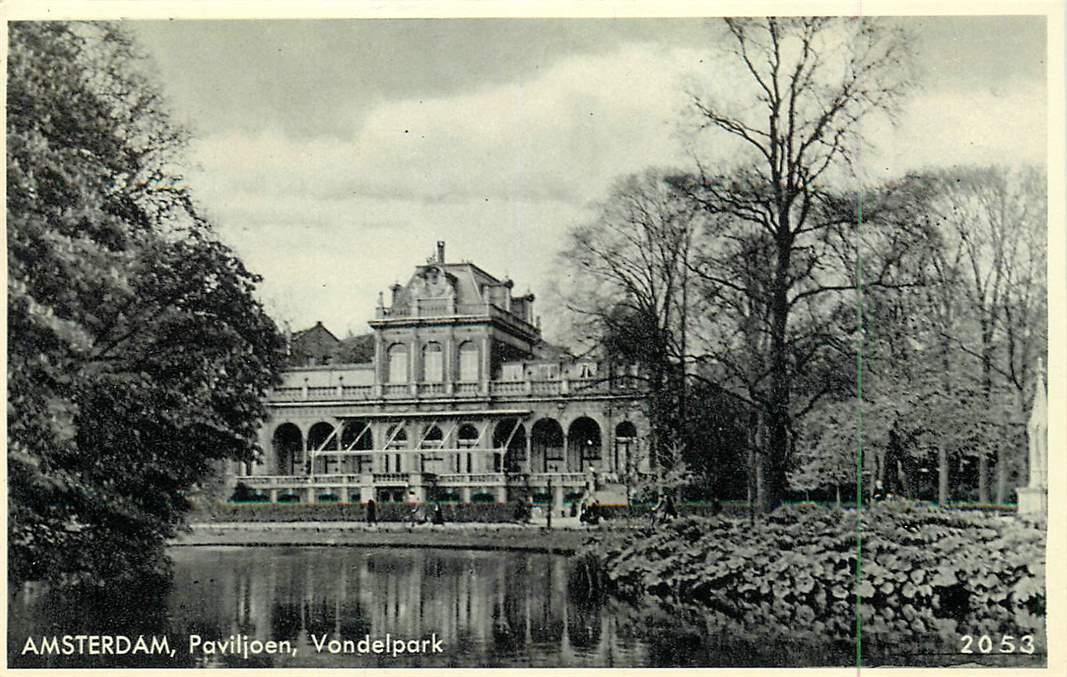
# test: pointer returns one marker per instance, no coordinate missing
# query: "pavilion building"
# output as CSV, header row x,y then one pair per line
x,y
463,399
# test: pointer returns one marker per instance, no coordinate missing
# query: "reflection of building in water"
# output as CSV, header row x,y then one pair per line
x,y
488,608
462,399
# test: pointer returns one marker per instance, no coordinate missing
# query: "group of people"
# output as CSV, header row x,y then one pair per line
x,y
418,514
663,511
588,511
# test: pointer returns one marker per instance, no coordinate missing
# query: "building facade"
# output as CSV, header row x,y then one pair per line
x,y
463,401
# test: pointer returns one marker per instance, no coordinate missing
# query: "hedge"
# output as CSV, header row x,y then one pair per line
x,y
445,496
924,572
347,512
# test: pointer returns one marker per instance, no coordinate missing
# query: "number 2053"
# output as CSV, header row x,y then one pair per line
x,y
986,644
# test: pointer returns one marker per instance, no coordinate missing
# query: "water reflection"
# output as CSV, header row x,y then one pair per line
x,y
489,608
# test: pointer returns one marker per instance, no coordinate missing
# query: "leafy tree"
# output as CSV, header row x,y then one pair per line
x,y
138,356
355,349
938,359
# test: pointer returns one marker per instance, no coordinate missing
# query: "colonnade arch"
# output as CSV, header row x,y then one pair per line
x,y
583,444
323,435
287,445
546,446
357,435
510,435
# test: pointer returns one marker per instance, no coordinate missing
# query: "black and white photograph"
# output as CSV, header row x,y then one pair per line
x,y
478,336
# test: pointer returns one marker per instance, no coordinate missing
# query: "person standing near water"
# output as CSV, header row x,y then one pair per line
x,y
372,513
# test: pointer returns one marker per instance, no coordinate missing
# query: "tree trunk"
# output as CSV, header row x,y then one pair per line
x,y
987,387
777,451
762,499
1002,474
983,477
942,476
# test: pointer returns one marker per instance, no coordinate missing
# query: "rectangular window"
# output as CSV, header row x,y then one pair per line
x,y
547,372
432,366
511,372
468,365
398,364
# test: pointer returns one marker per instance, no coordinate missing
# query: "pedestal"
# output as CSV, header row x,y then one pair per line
x,y
1033,501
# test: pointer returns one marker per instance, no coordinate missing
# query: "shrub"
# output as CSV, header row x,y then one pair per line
x,y
923,572
242,493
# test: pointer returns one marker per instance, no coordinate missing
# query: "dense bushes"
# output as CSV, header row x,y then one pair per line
x,y
922,572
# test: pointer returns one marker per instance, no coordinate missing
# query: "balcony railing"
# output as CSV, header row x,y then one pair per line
x,y
507,387
576,387
568,480
467,389
391,478
357,392
460,479
431,389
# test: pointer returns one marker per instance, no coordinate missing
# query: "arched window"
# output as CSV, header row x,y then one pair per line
x,y
432,363
398,363
468,362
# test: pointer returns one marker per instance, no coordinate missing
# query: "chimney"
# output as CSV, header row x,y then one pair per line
x,y
440,251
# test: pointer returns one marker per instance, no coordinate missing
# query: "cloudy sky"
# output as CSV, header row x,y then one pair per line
x,y
333,154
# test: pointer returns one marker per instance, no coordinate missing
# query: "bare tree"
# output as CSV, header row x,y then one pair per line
x,y
814,81
994,219
629,286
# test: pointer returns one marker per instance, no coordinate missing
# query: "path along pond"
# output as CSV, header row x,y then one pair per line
x,y
485,608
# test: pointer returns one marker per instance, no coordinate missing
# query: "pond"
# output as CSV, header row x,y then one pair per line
x,y
326,607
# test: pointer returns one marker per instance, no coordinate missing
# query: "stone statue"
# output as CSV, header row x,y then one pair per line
x,y
1033,498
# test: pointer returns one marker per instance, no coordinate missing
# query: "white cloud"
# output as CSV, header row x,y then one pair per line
x,y
502,172
972,127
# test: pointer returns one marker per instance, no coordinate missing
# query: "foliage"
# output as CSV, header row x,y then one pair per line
x,y
923,571
356,349
138,356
